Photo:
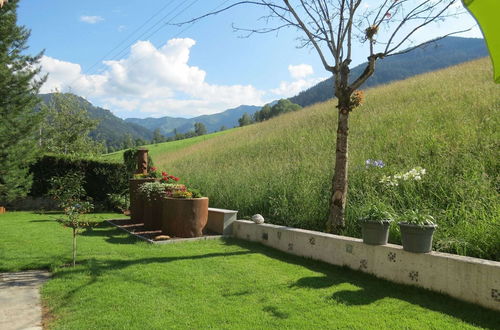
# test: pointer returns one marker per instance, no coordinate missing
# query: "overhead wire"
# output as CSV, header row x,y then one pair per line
x,y
154,32
129,36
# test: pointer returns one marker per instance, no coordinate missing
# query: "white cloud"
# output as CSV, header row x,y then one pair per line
x,y
289,89
121,28
91,19
160,81
154,81
300,71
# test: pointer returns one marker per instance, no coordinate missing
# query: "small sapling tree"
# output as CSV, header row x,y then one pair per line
x,y
70,195
331,27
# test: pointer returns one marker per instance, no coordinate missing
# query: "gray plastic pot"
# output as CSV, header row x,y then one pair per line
x,y
375,232
417,238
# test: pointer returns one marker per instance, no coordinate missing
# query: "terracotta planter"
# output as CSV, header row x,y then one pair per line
x,y
2,209
152,213
136,200
185,217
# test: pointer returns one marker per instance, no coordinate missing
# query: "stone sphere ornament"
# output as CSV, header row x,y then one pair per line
x,y
258,219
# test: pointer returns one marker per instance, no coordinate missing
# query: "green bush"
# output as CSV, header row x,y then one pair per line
x,y
101,178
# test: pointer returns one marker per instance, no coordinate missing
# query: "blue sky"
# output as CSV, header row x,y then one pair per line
x,y
98,49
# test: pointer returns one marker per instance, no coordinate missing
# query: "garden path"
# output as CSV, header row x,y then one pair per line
x,y
20,299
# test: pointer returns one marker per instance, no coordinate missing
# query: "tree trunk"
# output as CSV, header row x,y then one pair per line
x,y
74,247
339,183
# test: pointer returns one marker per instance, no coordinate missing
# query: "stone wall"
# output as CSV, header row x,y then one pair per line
x,y
470,279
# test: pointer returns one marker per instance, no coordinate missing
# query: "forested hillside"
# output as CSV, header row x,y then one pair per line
x,y
437,55
113,131
213,123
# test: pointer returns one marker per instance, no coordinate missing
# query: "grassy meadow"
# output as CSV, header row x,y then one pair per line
x,y
158,149
446,122
122,283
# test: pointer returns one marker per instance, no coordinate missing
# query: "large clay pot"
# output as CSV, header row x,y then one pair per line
x,y
185,217
136,199
153,213
2,209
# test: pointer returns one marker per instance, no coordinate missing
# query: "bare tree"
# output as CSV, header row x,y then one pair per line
x,y
331,27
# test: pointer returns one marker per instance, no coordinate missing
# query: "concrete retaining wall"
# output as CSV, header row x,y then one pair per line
x,y
470,279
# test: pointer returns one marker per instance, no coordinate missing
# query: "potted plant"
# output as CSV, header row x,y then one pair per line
x,y
375,225
185,213
136,198
417,229
152,194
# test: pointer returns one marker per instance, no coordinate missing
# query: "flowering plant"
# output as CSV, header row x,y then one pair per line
x,y
166,178
151,174
172,188
374,163
414,174
152,190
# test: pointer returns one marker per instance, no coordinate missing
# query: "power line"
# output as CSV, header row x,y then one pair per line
x,y
180,32
120,53
128,37
154,32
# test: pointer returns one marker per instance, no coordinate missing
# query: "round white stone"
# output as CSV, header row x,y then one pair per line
x,y
257,218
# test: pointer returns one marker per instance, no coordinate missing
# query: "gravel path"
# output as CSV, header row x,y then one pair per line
x,y
20,299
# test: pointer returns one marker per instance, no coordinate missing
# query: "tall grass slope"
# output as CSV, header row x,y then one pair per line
x,y
445,121
158,149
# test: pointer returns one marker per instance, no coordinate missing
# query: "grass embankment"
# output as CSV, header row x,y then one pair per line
x,y
166,147
121,283
445,121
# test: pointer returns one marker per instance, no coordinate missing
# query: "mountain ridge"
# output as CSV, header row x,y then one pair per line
x,y
437,55
228,118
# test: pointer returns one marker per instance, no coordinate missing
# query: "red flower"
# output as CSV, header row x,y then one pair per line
x,y
164,174
153,169
176,179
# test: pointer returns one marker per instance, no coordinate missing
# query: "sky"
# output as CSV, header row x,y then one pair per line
x,y
129,57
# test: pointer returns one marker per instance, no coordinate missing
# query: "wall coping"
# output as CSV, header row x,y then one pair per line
x,y
359,240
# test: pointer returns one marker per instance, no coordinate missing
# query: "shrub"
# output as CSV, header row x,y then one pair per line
x,y
100,178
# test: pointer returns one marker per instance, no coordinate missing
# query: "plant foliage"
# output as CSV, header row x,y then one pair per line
x,y
100,178
19,86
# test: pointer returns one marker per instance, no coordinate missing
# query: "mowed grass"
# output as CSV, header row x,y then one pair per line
x,y
445,121
121,283
158,149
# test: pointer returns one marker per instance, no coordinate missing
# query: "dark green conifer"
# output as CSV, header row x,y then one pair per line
x,y
19,85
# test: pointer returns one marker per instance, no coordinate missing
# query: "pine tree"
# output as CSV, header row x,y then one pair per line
x,y
19,85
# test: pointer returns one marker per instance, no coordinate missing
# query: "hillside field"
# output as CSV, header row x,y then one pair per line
x,y
445,121
161,149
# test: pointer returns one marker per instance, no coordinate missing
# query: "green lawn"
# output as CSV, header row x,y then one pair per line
x,y
122,283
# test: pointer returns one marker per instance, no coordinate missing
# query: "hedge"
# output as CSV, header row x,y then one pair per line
x,y
102,178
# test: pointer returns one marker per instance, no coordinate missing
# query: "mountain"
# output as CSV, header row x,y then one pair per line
x,y
228,118
437,55
111,129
